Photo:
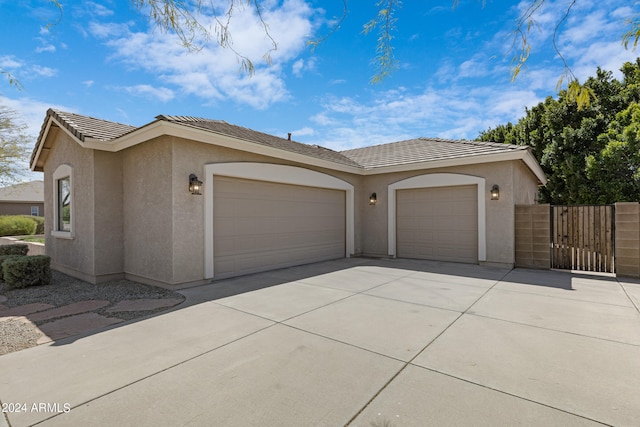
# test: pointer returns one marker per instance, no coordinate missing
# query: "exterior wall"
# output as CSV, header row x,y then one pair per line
x,y
499,213
109,233
75,256
135,217
148,210
533,236
188,219
20,208
627,244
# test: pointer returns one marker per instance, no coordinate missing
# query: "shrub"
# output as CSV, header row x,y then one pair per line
x,y
16,225
20,272
3,258
15,249
39,220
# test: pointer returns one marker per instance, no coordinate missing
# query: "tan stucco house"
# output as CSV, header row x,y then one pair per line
x,y
119,200
24,198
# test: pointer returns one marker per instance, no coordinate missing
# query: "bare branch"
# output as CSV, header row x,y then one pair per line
x,y
313,44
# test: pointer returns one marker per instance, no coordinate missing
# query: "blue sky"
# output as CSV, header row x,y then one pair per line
x,y
103,59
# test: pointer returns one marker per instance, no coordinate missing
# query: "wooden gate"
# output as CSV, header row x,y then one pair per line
x,y
582,238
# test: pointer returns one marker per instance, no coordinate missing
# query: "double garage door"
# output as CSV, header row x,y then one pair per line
x,y
438,223
261,226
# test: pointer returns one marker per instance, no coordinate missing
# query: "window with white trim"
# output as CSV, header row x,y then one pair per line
x,y
63,202
35,211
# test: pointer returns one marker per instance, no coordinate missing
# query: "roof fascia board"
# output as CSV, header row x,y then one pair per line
x,y
40,145
45,134
161,127
524,155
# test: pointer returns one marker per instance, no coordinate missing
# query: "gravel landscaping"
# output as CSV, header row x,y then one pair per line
x,y
17,333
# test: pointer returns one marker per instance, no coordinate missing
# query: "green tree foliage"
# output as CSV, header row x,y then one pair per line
x,y
614,171
13,146
587,151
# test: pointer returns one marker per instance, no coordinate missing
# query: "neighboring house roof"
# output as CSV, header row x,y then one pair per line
x,y
412,154
25,192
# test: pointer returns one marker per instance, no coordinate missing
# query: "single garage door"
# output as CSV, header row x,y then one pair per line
x,y
438,223
261,226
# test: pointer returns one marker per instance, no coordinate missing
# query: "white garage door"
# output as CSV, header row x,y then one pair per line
x,y
260,226
438,223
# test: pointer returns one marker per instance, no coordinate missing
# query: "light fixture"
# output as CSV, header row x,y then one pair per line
x,y
195,186
373,199
495,192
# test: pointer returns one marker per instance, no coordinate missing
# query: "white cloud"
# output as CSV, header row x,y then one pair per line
x,y
213,73
46,47
161,93
88,83
32,112
8,62
44,71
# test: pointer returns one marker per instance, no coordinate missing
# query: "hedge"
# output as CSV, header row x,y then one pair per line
x,y
39,220
17,225
14,249
20,272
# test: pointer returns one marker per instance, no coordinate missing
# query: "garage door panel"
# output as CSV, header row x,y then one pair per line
x,y
260,226
438,223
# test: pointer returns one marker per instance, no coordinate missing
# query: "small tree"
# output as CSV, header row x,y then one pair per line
x,y
13,146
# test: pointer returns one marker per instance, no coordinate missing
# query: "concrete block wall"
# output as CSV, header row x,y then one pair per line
x,y
627,244
533,236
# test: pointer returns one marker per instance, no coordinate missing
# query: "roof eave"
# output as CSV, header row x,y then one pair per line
x,y
163,127
524,155
37,150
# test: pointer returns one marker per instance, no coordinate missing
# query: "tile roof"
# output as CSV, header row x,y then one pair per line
x,y
224,128
424,150
88,127
392,154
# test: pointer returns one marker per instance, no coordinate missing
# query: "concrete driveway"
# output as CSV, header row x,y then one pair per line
x,y
359,342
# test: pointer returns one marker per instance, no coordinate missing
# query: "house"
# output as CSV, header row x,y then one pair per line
x,y
25,198
120,199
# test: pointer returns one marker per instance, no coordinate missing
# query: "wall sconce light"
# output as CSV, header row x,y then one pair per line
x,y
195,186
495,192
373,199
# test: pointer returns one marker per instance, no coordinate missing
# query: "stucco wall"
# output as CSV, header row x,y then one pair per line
x,y
77,254
148,207
135,215
515,184
20,208
109,233
188,220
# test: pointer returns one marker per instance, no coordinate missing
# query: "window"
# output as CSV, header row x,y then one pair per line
x,y
35,211
63,199
64,204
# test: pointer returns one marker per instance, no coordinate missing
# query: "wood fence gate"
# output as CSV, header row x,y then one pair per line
x,y
582,238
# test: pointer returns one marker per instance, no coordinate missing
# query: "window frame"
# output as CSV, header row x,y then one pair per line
x,y
63,172
35,209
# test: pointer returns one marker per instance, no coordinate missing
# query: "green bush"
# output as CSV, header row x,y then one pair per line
x,y
39,220
16,225
15,249
20,272
3,258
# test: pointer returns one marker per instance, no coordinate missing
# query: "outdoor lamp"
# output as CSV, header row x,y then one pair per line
x,y
373,199
195,186
495,192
